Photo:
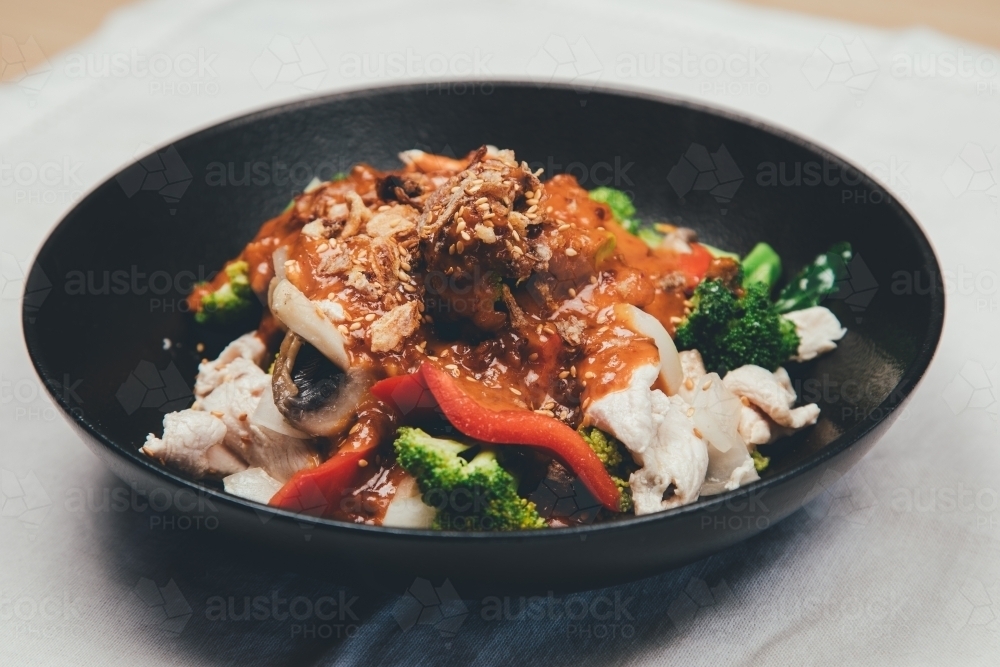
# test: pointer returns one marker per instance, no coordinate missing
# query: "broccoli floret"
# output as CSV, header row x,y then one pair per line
x,y
760,462
621,207
468,495
731,332
616,460
231,301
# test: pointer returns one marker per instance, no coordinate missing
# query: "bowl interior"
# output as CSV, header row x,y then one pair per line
x,y
104,310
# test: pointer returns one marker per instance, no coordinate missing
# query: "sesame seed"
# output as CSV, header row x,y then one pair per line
x,y
514,391
216,413
402,275
593,280
432,357
570,252
461,225
587,402
689,384
707,386
517,237
451,249
690,412
549,330
538,329
342,329
745,401
481,201
533,356
200,347
369,317
465,236
355,428
543,338
547,413
355,326
451,367
674,319
405,266
363,463
428,319
572,292
323,247
590,308
564,375
602,330
528,194
459,247
243,417
409,288
697,433
531,209
590,375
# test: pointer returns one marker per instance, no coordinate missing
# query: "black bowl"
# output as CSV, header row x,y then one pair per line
x,y
108,287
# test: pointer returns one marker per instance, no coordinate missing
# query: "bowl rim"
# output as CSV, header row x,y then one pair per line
x,y
911,377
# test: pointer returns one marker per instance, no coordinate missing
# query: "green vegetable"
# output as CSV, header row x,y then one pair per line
x,y
621,207
616,460
717,252
468,495
651,237
817,280
760,462
231,301
731,332
761,265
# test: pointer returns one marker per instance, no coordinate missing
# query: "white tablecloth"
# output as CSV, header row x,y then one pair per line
x,y
896,563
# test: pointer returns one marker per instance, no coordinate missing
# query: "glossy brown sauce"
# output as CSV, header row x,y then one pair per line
x,y
551,349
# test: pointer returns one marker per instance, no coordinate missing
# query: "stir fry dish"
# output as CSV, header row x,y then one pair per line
x,y
458,345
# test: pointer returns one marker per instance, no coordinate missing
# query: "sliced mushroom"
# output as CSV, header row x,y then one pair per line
x,y
311,392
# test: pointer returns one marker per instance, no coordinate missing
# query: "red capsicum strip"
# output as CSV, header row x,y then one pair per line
x,y
510,427
319,491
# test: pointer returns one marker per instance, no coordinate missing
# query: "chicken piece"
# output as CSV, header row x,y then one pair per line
x,y
818,329
212,373
660,435
678,458
235,399
628,414
194,442
773,395
716,414
693,369
253,484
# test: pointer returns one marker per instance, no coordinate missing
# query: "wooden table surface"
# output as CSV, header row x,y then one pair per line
x,y
58,24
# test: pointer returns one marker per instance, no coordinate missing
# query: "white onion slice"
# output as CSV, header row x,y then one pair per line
x,y
253,484
717,414
407,509
645,324
306,319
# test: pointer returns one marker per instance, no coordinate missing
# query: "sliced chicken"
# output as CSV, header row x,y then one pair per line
x,y
234,399
818,331
212,373
194,442
716,414
628,414
772,393
674,464
659,433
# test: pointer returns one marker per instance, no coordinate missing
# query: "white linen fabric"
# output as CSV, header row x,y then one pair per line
x,y
896,562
